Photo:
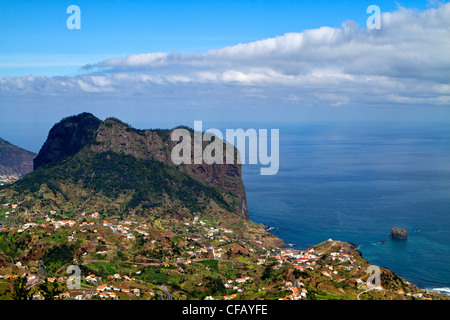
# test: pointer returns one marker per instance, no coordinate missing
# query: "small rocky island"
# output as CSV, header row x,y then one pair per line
x,y
398,233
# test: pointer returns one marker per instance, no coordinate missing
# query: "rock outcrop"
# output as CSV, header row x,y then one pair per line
x,y
86,147
398,233
67,138
116,136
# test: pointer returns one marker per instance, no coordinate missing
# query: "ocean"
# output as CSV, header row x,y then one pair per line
x,y
354,182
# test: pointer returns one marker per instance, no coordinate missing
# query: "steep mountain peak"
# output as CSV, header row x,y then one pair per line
x,y
131,168
67,137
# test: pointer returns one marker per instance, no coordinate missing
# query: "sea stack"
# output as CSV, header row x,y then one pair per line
x,y
398,233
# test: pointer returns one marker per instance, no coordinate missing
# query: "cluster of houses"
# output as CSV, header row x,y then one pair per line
x,y
60,279
211,232
9,276
297,292
229,284
7,213
104,291
7,205
56,223
301,260
50,221
342,256
94,279
7,179
229,297
110,291
61,223
123,229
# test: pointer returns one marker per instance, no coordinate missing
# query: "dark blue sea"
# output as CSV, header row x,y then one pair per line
x,y
354,182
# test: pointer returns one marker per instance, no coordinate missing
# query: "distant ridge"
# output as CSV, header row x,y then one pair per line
x,y
15,160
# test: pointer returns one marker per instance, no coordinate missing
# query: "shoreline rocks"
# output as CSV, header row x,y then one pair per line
x,y
398,233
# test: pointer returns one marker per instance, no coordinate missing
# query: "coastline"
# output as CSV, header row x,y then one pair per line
x,y
290,246
445,290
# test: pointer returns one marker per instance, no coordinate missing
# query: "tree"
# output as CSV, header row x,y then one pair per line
x,y
57,256
267,273
20,291
49,291
217,286
229,253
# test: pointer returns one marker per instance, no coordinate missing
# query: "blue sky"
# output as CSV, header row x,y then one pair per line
x,y
164,63
35,40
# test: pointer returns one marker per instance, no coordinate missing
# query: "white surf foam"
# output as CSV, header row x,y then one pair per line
x,y
444,290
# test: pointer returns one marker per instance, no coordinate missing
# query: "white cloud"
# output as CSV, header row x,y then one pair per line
x,y
409,44
406,62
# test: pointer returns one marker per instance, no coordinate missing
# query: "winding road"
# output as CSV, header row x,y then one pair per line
x,y
166,291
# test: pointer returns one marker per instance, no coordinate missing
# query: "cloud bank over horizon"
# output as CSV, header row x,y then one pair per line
x,y
405,63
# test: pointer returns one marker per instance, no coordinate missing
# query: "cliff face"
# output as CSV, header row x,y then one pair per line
x,y
113,135
15,160
86,136
67,138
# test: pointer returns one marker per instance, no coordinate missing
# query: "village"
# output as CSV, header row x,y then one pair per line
x,y
92,225
8,179
134,258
